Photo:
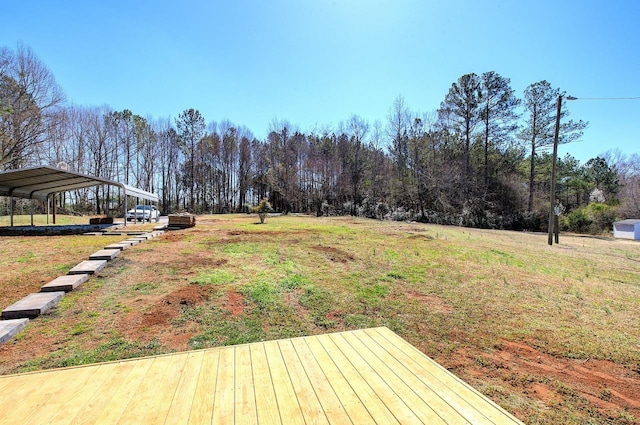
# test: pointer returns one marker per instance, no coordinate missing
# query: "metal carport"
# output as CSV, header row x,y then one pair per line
x,y
40,182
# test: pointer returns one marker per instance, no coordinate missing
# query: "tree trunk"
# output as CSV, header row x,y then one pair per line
x,y
532,174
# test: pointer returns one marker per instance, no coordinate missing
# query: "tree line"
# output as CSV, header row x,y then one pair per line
x,y
480,159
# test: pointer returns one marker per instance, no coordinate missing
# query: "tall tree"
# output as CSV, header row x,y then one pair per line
x,y
498,114
356,129
462,106
168,163
540,102
244,172
399,124
602,176
283,164
191,128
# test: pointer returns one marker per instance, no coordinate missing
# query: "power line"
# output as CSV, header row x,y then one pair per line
x,y
608,98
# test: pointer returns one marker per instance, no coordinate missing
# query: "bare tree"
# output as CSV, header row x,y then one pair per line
x,y
168,164
356,130
244,172
628,174
29,105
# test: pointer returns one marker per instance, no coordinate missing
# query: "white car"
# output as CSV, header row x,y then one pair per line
x,y
143,213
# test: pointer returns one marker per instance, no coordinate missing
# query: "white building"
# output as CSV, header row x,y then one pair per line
x,y
627,229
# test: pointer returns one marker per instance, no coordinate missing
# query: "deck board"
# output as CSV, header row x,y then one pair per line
x,y
265,396
329,401
358,377
225,388
313,412
112,379
403,399
165,392
245,398
183,399
340,385
288,405
202,406
367,395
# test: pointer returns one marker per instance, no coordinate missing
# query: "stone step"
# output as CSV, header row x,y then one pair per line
x,y
32,305
9,328
130,243
134,241
65,283
125,233
120,245
105,254
88,266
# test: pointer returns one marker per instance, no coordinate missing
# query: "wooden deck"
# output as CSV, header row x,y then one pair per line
x,y
359,377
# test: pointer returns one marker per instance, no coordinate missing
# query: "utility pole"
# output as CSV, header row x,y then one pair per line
x,y
553,174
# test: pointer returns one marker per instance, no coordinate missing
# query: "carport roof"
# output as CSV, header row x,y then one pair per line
x,y
628,221
40,182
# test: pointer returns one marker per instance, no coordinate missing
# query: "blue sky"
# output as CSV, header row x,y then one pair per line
x,y
317,62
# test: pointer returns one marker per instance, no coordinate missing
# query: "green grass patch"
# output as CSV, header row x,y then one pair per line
x,y
241,248
263,293
116,348
295,281
214,277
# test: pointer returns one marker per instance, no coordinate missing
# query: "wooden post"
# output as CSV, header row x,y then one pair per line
x,y
553,172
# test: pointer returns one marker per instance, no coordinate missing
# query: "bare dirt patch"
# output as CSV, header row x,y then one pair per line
x,y
234,303
334,254
604,383
174,236
159,313
191,261
236,236
607,386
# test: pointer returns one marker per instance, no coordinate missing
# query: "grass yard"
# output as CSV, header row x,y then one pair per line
x,y
41,220
550,333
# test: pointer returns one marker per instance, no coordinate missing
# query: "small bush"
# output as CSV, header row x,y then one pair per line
x,y
595,218
262,209
602,215
578,221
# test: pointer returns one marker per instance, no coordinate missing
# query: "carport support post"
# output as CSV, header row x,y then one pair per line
x,y
11,209
125,206
55,195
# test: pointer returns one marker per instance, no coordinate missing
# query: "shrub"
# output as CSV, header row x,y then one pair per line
x,y
262,209
595,218
602,215
578,221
